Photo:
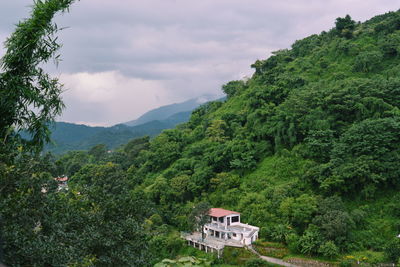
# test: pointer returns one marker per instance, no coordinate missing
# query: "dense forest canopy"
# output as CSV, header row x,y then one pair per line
x,y
307,149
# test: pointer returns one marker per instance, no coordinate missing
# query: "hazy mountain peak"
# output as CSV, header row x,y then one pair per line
x,y
166,111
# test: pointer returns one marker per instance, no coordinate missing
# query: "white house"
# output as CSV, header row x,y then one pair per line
x,y
224,229
226,226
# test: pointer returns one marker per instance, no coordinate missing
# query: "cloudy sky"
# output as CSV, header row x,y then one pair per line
x,y
122,58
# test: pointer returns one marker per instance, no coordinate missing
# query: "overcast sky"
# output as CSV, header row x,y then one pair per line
x,y
122,58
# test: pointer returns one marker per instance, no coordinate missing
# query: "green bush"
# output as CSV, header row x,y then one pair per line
x,y
292,241
392,250
329,250
256,263
311,240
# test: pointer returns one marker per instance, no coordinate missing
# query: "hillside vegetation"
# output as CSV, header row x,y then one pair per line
x,y
307,149
68,136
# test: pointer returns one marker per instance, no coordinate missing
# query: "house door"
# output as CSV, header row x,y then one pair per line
x,y
228,222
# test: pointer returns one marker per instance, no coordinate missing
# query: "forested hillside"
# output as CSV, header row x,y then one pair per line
x,y
68,136
307,149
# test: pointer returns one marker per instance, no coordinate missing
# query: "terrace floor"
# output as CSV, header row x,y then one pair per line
x,y
212,241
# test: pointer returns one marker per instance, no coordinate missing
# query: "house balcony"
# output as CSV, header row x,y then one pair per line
x,y
238,228
211,242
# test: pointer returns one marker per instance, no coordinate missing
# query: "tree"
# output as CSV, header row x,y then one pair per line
x,y
134,147
113,215
30,98
233,87
333,221
180,186
299,211
216,132
98,152
224,181
72,162
365,156
367,61
200,216
345,26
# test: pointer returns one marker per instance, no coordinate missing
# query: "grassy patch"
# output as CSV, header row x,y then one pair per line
x,y
367,256
237,256
303,260
276,170
271,249
191,251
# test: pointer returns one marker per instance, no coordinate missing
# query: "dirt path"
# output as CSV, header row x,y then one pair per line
x,y
272,260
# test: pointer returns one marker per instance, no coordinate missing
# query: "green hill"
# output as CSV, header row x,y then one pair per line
x,y
307,149
69,136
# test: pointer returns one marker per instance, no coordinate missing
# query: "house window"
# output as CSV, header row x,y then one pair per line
x,y
221,219
234,235
235,219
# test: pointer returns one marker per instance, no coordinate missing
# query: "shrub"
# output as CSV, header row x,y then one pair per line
x,y
392,250
311,240
256,263
329,250
292,241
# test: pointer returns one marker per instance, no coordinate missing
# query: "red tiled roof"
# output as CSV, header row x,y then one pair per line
x,y
218,212
61,179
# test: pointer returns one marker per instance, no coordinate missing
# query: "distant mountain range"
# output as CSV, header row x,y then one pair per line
x,y
165,112
70,136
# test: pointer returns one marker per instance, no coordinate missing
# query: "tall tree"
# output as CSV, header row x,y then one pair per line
x,y
29,97
345,26
200,216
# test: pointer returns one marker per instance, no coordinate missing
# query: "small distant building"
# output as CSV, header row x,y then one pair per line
x,y
62,182
224,229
